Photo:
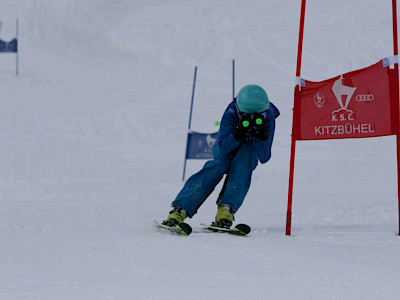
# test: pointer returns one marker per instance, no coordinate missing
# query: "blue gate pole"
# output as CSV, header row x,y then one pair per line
x,y
233,79
190,121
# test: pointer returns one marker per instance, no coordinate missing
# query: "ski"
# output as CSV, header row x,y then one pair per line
x,y
240,229
181,228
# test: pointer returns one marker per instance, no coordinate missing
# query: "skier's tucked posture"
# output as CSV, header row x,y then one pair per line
x,y
245,137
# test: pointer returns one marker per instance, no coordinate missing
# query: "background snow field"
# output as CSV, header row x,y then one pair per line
x,y
93,135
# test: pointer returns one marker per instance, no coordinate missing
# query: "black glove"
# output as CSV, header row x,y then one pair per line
x,y
260,127
243,129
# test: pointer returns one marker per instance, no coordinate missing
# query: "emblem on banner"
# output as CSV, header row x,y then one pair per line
x,y
210,140
364,98
343,94
319,100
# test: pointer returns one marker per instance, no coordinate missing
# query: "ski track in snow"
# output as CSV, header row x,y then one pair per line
x,y
93,136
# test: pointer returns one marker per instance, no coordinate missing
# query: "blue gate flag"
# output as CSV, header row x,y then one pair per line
x,y
200,145
11,46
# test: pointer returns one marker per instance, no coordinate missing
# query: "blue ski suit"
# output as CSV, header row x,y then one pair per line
x,y
236,159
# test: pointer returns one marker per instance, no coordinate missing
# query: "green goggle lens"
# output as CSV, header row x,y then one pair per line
x,y
246,124
259,121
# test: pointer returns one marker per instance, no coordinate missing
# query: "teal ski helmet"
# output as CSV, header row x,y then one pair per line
x,y
252,99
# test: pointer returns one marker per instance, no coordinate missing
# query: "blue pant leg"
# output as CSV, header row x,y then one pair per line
x,y
200,185
239,177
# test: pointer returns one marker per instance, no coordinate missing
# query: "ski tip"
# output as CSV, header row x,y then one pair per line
x,y
243,228
185,228
181,228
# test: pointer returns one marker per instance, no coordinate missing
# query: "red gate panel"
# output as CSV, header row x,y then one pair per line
x,y
353,105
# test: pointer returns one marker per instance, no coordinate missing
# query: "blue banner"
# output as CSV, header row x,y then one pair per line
x,y
11,46
200,145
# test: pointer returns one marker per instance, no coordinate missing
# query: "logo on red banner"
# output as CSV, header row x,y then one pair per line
x,y
353,105
319,100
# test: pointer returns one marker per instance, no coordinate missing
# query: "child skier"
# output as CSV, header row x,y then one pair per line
x,y
245,137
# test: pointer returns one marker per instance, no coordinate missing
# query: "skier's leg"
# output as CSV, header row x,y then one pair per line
x,y
200,185
238,178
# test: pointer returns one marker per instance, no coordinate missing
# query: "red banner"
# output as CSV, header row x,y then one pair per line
x,y
353,105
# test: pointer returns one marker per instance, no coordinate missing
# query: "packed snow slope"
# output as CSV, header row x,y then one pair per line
x,y
93,135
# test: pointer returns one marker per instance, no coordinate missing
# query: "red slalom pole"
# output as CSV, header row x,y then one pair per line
x,y
295,116
396,67
301,34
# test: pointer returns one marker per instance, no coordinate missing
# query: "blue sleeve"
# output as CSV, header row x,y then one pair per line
x,y
263,148
227,142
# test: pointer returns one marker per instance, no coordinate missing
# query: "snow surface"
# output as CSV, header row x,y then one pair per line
x,y
93,136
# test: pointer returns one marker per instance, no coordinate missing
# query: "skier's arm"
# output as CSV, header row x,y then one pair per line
x,y
263,148
227,142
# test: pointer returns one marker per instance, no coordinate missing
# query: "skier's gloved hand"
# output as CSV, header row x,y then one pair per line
x,y
260,127
242,129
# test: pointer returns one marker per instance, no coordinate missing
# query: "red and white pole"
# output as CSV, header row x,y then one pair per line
x,y
295,116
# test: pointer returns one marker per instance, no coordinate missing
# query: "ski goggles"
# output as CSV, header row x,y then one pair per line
x,y
250,115
254,115
257,118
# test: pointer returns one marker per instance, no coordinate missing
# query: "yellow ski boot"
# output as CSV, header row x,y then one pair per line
x,y
176,216
224,217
